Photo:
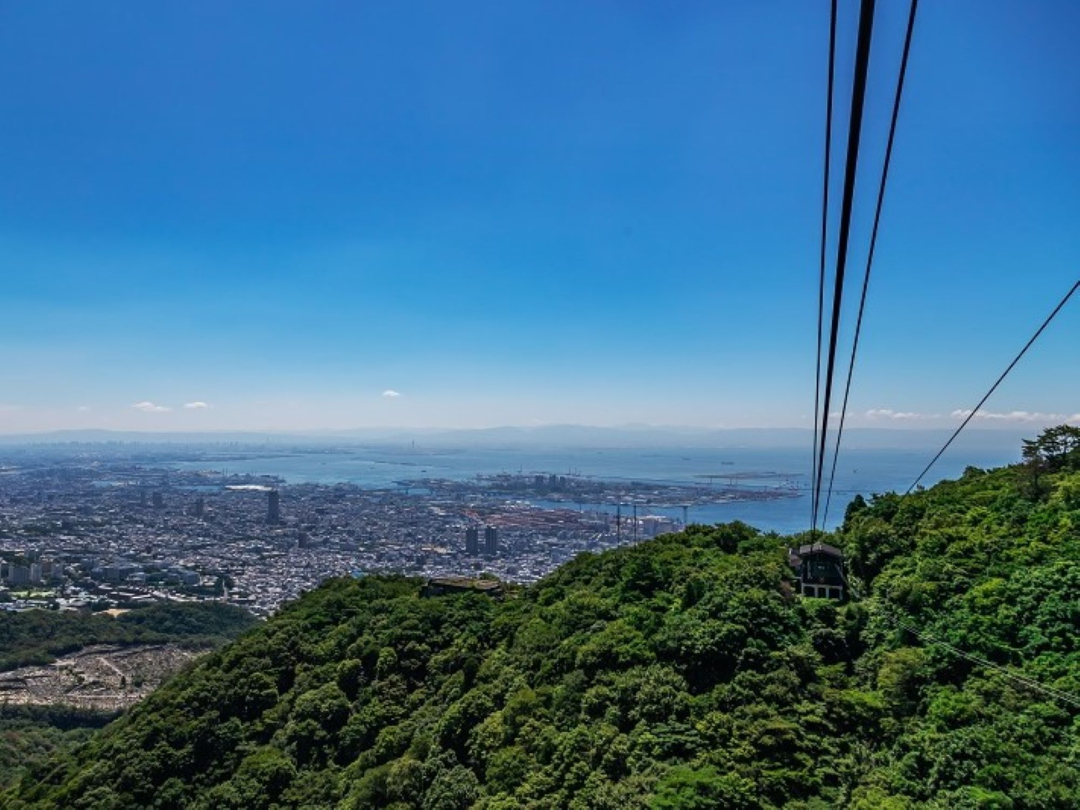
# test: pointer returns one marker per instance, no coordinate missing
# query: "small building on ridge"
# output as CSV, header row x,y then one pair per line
x,y
437,586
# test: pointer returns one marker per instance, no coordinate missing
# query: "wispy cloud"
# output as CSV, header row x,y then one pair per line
x,y
889,413
198,405
83,408
1017,416
389,393
150,407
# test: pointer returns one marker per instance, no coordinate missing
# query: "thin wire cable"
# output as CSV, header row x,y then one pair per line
x,y
1020,679
821,264
870,253
993,388
858,96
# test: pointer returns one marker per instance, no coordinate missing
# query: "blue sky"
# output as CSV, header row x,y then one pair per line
x,y
520,213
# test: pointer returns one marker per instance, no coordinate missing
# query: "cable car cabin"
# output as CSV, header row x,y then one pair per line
x,y
819,569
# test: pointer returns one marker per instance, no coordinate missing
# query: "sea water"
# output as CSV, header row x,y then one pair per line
x,y
862,471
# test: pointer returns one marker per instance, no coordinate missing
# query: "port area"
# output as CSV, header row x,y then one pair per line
x,y
571,488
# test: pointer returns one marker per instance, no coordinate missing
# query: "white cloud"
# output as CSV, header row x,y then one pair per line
x,y
83,408
150,407
889,413
198,405
1017,416
389,393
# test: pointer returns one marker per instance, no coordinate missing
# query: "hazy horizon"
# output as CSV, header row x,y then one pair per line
x,y
202,417
566,436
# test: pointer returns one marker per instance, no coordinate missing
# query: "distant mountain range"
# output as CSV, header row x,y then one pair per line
x,y
547,435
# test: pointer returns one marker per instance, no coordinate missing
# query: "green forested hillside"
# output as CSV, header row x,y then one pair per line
x,y
683,673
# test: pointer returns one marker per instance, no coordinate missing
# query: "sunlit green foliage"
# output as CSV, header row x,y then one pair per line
x,y
683,673
30,734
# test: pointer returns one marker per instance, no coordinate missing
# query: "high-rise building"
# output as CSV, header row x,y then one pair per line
x,y
159,500
200,507
472,541
273,506
19,574
491,541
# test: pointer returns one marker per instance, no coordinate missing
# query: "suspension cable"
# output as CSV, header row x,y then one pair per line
x,y
821,263
858,96
870,254
1023,680
974,411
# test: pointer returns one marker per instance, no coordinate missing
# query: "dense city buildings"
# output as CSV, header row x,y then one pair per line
x,y
100,527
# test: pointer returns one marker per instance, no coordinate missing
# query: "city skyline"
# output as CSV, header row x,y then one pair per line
x,y
263,217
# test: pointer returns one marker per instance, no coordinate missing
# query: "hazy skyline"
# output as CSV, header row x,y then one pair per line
x,y
278,216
